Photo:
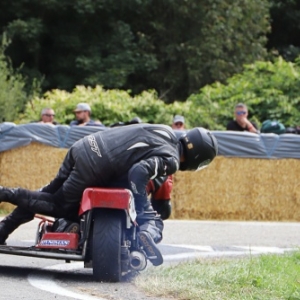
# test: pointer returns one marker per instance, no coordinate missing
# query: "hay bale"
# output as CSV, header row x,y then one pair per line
x,y
230,188
30,167
239,189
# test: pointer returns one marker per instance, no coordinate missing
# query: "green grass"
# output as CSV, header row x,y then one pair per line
x,y
255,277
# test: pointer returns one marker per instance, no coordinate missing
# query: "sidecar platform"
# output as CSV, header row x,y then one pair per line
x,y
33,251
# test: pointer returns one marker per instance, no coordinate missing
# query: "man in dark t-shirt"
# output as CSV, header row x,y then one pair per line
x,y
241,122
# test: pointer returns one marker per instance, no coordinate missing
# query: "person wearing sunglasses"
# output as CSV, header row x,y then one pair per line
x,y
47,116
241,122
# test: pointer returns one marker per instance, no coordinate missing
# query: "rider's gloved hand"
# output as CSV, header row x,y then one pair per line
x,y
163,208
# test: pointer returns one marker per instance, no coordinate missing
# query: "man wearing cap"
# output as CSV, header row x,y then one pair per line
x,y
178,122
83,116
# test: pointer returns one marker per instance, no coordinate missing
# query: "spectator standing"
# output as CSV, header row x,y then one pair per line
x,y
47,116
241,122
83,116
178,122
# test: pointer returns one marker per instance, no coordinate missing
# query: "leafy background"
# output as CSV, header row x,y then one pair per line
x,y
150,59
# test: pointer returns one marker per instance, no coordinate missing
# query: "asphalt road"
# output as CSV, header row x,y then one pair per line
x,y
34,278
216,233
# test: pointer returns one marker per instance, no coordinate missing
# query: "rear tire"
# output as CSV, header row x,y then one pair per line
x,y
106,245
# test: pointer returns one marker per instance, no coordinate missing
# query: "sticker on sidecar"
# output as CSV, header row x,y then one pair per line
x,y
62,243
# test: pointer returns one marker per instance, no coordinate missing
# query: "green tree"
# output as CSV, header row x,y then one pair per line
x,y
284,36
271,90
108,106
173,47
13,89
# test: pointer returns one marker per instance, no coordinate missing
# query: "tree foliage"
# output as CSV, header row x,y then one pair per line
x,y
173,47
283,39
13,89
108,106
271,90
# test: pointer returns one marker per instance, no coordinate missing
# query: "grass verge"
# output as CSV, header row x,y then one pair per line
x,y
263,277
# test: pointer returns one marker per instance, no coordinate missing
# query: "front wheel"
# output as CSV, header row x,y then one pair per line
x,y
106,249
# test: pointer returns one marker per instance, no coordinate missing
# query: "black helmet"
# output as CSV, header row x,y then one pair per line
x,y
200,147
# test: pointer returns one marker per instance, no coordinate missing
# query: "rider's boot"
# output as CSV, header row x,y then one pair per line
x,y
11,222
150,233
4,232
6,194
150,248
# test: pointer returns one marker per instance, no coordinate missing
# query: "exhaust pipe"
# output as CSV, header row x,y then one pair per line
x,y
138,261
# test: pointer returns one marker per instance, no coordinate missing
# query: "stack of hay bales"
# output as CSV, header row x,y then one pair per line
x,y
30,167
239,189
230,188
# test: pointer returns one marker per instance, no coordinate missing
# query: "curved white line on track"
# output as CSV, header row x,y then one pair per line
x,y
46,282
208,251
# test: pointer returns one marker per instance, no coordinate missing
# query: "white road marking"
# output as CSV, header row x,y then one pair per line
x,y
46,282
256,249
208,251
240,223
195,247
190,255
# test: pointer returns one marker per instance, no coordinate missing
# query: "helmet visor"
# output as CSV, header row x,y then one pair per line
x,y
203,165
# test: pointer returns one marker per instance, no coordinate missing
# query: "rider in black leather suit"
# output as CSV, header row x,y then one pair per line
x,y
140,152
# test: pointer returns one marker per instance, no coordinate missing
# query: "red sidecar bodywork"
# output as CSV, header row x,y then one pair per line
x,y
92,198
105,239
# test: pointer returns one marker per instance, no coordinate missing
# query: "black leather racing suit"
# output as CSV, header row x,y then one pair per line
x,y
139,152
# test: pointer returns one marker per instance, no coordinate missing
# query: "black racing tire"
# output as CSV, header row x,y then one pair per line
x,y
106,245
